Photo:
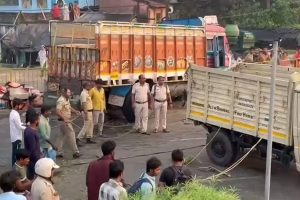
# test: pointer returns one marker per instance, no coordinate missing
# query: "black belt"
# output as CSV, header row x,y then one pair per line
x,y
141,102
90,110
161,101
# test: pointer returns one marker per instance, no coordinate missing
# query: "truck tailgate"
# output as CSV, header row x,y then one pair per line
x,y
240,102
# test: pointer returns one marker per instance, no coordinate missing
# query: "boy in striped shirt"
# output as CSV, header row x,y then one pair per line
x,y
113,189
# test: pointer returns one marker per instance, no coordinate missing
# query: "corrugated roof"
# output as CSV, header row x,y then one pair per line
x,y
94,17
29,37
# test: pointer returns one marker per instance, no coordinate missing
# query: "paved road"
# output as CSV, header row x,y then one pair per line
x,y
135,149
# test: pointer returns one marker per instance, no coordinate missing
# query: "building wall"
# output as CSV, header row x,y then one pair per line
x,y
118,6
30,6
82,3
146,13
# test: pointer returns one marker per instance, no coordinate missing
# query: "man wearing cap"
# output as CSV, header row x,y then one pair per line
x,y
87,113
99,105
42,186
43,60
140,102
64,110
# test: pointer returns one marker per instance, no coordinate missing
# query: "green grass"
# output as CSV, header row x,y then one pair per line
x,y
195,190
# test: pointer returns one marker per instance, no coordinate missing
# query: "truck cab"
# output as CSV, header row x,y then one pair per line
x,y
218,51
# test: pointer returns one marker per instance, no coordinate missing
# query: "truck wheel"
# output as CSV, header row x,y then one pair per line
x,y
127,108
221,151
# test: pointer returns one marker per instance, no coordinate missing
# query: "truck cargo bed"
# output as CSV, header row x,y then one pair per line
x,y
240,100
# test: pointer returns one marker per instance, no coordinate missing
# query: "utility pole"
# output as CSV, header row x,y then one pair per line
x,y
268,4
271,122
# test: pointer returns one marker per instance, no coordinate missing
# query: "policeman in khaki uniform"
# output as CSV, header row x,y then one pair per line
x,y
63,110
140,101
87,112
42,187
161,97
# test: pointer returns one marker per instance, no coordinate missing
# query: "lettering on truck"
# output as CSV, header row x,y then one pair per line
x,y
238,114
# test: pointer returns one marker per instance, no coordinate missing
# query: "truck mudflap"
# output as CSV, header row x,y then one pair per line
x,y
117,95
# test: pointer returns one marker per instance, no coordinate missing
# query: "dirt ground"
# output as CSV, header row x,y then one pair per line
x,y
134,149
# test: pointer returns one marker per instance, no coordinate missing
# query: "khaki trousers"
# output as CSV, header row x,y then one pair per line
x,y
160,114
98,117
88,127
141,116
68,132
44,68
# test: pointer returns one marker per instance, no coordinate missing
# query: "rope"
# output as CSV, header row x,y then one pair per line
x,y
54,127
234,165
116,137
118,126
199,153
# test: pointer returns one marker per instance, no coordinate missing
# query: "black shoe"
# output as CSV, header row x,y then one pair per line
x,y
90,141
76,155
59,156
79,143
145,133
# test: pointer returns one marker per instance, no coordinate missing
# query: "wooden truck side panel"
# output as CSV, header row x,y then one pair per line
x,y
119,52
239,102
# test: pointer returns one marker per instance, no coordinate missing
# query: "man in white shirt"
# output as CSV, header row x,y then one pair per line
x,y
43,60
141,99
161,97
113,189
16,127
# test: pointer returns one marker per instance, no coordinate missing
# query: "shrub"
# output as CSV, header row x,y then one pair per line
x,y
195,190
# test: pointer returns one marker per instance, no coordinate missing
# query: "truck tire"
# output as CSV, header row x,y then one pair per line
x,y
222,150
127,108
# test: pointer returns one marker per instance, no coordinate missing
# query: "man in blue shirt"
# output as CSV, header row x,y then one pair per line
x,y
32,143
148,189
7,184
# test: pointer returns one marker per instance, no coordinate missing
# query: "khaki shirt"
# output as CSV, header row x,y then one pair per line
x,y
160,92
42,189
141,92
86,98
64,106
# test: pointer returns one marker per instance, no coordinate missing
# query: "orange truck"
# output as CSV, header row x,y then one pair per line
x,y
119,52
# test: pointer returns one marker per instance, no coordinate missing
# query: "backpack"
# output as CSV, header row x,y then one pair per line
x,y
136,187
180,176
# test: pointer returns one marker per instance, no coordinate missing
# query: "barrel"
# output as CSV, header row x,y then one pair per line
x,y
246,40
232,30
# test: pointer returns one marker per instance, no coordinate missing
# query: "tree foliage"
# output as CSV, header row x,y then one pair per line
x,y
245,13
251,14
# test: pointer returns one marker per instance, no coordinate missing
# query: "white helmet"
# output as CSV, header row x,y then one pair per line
x,y
44,166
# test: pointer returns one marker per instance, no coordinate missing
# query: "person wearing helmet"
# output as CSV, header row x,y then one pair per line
x,y
42,187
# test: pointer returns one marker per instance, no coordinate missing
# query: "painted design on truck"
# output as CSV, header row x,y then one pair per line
x,y
160,65
148,61
170,61
137,61
125,65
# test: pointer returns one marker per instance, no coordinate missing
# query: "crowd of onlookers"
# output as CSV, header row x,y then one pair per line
x,y
265,55
62,11
33,165
104,177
